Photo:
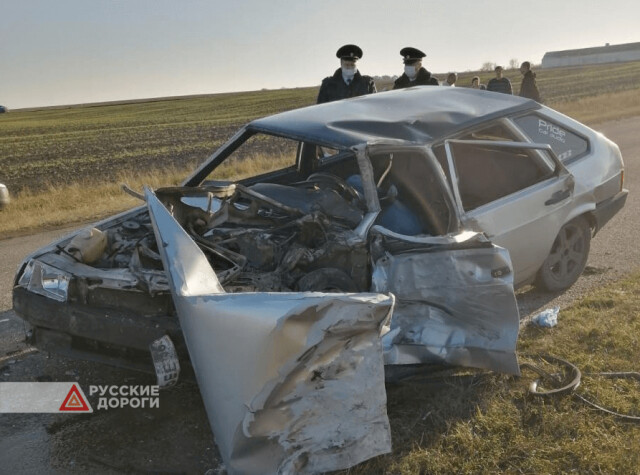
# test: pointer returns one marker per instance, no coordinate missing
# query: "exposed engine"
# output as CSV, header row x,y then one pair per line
x,y
263,238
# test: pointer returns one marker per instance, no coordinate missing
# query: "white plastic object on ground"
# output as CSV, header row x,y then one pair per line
x,y
4,196
547,318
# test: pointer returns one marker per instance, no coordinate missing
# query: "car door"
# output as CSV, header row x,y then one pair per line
x,y
454,300
518,193
454,289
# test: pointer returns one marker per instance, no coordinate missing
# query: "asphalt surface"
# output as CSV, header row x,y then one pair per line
x,y
176,437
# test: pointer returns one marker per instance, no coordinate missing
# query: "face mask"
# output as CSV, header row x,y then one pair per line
x,y
410,70
348,73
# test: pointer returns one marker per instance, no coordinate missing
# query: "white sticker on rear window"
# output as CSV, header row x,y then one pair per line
x,y
564,143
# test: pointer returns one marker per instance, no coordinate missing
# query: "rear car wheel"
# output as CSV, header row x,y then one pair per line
x,y
567,258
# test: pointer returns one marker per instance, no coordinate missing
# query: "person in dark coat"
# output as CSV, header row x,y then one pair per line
x,y
414,74
529,88
347,81
499,83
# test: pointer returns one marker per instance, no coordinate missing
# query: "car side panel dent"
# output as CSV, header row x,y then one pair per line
x,y
453,306
292,382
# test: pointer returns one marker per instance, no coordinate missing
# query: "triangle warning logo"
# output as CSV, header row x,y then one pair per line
x,y
75,401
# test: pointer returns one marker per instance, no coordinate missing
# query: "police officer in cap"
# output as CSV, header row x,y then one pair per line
x,y
346,81
414,73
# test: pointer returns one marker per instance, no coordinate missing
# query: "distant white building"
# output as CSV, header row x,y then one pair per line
x,y
600,54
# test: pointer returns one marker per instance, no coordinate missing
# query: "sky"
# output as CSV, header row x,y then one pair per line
x,y
55,52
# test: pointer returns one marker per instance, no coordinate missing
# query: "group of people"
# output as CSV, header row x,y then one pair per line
x,y
348,82
528,88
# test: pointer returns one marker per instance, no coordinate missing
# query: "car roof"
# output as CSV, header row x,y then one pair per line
x,y
418,114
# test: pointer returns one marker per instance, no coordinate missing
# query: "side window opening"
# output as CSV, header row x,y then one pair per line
x,y
420,197
411,197
496,132
487,173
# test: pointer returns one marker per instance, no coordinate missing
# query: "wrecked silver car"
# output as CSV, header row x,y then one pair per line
x,y
370,242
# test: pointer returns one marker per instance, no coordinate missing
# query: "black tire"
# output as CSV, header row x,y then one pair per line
x,y
567,258
327,279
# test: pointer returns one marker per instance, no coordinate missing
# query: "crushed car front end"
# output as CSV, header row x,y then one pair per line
x,y
108,310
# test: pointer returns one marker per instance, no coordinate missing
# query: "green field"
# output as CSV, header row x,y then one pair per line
x,y
64,145
458,421
96,143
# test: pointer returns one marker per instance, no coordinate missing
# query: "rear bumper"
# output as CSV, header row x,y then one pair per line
x,y
607,209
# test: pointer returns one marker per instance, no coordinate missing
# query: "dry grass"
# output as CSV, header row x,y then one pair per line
x,y
87,199
91,201
480,422
604,107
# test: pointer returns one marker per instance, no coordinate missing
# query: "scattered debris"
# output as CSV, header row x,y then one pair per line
x,y
569,378
4,196
547,318
592,270
165,361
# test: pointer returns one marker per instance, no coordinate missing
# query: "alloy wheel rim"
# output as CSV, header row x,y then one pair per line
x,y
567,253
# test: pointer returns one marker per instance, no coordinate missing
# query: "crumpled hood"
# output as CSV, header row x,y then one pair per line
x,y
292,382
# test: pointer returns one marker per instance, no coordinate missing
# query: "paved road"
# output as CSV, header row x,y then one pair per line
x,y
614,252
176,437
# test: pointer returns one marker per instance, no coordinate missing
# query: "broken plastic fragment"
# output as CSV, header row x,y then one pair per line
x,y
165,361
547,318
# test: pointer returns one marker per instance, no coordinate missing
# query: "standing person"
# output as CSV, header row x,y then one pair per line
x,y
414,74
451,80
475,83
347,80
529,88
500,83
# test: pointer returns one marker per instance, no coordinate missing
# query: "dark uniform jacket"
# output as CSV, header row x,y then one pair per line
x,y
334,88
424,78
502,85
529,88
